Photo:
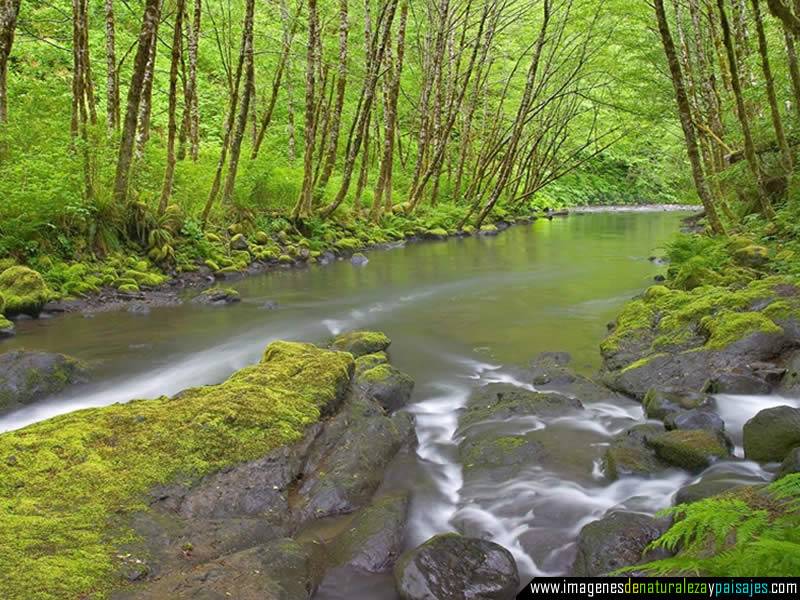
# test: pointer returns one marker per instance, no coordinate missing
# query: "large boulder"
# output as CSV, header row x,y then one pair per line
x,y
772,434
630,454
389,386
453,567
26,377
359,343
24,291
692,450
705,488
618,540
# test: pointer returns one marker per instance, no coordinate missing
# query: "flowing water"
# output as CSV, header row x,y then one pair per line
x,y
460,313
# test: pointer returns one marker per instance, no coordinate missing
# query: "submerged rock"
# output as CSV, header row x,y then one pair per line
x,y
497,401
499,457
616,541
630,454
692,450
26,377
389,386
660,404
358,259
772,434
453,567
217,296
359,343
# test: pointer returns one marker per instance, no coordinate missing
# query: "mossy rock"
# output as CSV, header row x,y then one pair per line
x,y
6,327
388,386
144,279
74,479
659,404
369,361
692,450
216,296
262,238
238,243
348,244
499,457
489,230
468,229
24,291
753,256
629,453
729,327
26,377
437,233
772,434
285,259
213,265
359,343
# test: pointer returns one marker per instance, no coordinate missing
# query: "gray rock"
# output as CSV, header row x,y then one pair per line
x,y
790,464
217,296
772,434
616,541
498,401
239,242
27,377
790,384
696,418
453,567
630,454
358,259
660,404
346,463
692,450
389,386
139,308
499,457
270,305
737,383
705,488
8,330
374,538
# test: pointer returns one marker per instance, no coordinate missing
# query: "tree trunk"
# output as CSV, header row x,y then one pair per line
x,y
145,106
112,80
9,9
769,80
249,88
684,112
341,85
191,86
309,133
794,67
149,23
363,117
749,147
177,44
287,43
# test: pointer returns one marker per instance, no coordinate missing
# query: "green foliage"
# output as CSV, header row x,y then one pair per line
x,y
751,532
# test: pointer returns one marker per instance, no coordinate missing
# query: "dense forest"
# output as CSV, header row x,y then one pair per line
x,y
151,149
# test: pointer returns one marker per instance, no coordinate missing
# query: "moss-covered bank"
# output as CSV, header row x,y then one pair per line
x,y
67,484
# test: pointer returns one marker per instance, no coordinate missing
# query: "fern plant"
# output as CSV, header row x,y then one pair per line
x,y
754,532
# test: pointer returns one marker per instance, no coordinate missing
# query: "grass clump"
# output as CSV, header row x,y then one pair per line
x,y
72,479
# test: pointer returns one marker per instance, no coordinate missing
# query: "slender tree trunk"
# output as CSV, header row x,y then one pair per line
x,y
287,43
309,134
191,87
794,67
236,82
749,147
769,80
88,82
177,44
149,23
249,89
276,86
341,85
363,118
684,112
382,200
112,80
9,9
145,106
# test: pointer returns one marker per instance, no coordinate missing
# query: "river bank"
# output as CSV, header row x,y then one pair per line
x,y
137,283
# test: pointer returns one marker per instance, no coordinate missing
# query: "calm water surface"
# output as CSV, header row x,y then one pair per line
x,y
459,313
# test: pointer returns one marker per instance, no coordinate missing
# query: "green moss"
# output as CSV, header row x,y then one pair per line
x,y
73,479
262,238
128,288
370,361
24,291
376,374
359,343
636,316
145,279
437,232
212,265
285,259
488,228
728,327
348,244
689,449
5,324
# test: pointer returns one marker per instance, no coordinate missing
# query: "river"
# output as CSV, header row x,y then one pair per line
x,y
459,313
